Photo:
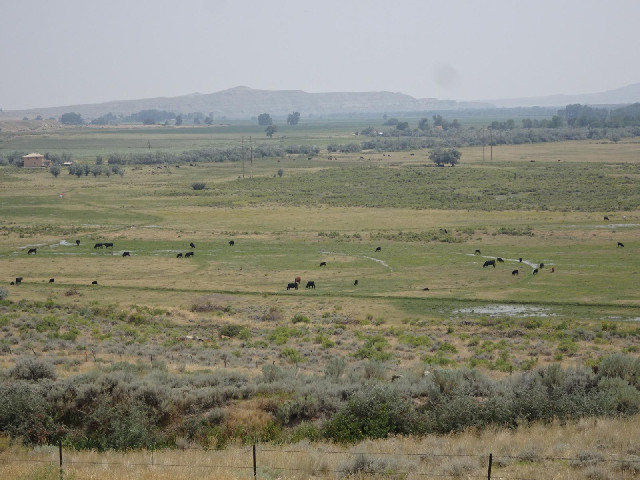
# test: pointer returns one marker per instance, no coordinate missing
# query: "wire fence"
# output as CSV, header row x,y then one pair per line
x,y
262,462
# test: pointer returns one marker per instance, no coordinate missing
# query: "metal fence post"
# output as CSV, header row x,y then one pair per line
x,y
255,469
60,456
490,462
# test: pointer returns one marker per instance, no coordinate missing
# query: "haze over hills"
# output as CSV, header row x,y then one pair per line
x,y
245,103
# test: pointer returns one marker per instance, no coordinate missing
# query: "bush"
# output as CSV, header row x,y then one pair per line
x,y
198,185
4,293
32,369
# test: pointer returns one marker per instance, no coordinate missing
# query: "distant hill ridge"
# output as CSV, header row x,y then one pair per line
x,y
245,102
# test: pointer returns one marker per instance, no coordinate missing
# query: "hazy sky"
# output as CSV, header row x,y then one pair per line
x,y
57,52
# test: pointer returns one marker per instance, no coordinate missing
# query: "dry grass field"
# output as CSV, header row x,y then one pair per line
x,y
422,302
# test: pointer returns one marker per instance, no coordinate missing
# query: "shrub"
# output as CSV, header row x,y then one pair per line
x,y
4,293
299,318
198,185
32,369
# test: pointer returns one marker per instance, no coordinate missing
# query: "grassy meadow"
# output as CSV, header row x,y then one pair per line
x,y
422,302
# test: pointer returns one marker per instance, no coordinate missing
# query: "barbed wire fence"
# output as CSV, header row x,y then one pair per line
x,y
300,462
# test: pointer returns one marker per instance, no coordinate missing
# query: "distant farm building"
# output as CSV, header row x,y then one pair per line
x,y
34,160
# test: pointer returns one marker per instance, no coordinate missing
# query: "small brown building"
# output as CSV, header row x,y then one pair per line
x,y
34,160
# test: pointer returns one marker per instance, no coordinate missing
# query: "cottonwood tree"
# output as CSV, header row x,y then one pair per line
x,y
293,118
443,156
270,130
264,119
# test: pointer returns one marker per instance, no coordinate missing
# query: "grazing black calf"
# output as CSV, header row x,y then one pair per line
x,y
77,242
425,289
520,259
542,265
188,254
606,218
515,272
19,280
489,263
477,252
12,283
311,284
500,259
126,254
51,280
323,264
355,283
95,282
231,243
32,250
535,271
192,245
620,244
179,255
292,285
108,245
98,245
378,249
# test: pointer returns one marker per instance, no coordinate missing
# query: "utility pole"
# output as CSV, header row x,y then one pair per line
x,y
483,144
491,142
242,150
251,145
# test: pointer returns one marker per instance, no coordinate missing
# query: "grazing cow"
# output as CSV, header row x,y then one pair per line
x,y
535,271
311,284
378,249
12,283
32,250
51,280
231,243
520,259
489,263
477,252
500,259
355,284
126,254
298,280
553,269
77,242
606,218
108,245
425,289
542,265
95,282
179,255
188,254
619,244
515,272
98,245
19,280
323,264
292,285
192,245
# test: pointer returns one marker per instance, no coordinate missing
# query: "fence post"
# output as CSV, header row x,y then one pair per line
x,y
60,456
490,462
255,470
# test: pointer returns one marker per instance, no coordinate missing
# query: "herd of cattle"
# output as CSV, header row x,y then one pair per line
x,y
297,281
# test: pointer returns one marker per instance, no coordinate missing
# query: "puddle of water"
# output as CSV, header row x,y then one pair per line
x,y
507,310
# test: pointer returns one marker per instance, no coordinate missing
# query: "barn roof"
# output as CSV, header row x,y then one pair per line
x,y
33,155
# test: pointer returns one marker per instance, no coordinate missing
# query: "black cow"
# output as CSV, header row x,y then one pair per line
x,y
535,271
108,245
323,264
95,282
179,255
19,280
378,249
126,254
12,283
520,259
542,265
515,272
292,285
77,242
188,254
500,259
32,250
192,245
231,243
606,218
98,245
51,280
489,263
355,284
620,244
425,289
477,252
311,284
